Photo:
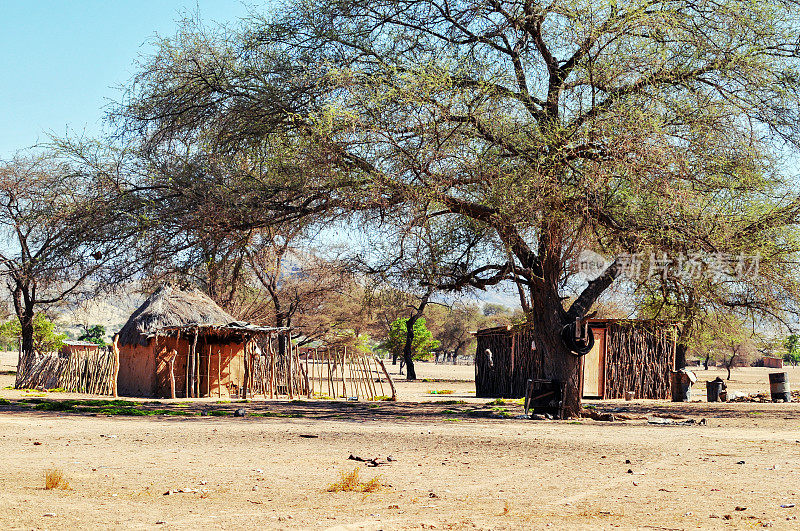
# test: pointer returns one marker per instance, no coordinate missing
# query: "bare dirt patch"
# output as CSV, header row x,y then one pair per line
x,y
455,464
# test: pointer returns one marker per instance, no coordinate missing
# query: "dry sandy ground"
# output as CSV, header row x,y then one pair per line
x,y
455,465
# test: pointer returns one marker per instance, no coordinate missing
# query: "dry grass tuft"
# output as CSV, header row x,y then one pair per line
x,y
54,479
372,485
350,482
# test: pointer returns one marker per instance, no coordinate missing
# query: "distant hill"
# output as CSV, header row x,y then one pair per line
x,y
108,309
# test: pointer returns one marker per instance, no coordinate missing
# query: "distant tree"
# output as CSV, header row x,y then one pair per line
x,y
732,341
62,233
94,334
792,345
46,338
423,343
491,308
453,332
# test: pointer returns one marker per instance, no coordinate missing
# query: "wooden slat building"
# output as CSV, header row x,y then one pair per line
x,y
628,356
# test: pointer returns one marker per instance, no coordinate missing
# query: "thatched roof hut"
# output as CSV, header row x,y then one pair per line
x,y
169,308
181,343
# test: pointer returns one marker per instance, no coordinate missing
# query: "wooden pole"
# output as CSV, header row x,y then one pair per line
x,y
354,387
193,369
115,348
272,380
208,371
219,373
344,374
378,372
173,353
368,372
331,386
246,369
318,368
188,358
391,383
309,381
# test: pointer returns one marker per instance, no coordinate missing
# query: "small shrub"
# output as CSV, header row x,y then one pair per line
x,y
4,402
54,479
350,482
497,402
440,392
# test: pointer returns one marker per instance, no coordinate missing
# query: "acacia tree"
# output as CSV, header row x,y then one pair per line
x,y
419,261
452,327
636,127
63,239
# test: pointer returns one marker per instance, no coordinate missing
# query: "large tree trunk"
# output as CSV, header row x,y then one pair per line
x,y
560,364
25,314
680,355
26,332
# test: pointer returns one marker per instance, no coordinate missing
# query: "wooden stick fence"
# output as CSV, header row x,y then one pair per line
x,y
312,373
81,371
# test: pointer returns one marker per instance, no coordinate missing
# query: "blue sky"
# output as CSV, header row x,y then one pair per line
x,y
63,61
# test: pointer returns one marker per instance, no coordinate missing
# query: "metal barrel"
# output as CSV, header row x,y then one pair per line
x,y
779,386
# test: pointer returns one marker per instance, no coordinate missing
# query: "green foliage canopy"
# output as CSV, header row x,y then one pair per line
x,y
45,336
94,334
792,345
422,346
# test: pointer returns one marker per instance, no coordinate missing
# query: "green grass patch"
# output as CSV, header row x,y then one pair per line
x,y
220,413
506,402
54,406
453,420
4,402
103,407
755,413
223,401
373,406
275,414
449,402
440,392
